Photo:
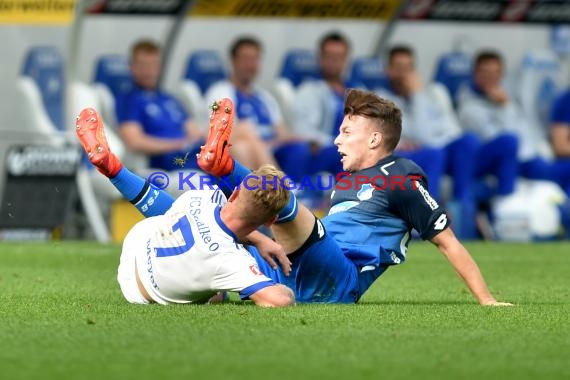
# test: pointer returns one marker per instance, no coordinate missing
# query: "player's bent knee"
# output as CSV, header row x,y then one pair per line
x,y
274,296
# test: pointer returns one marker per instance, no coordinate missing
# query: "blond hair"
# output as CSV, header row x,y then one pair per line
x,y
264,193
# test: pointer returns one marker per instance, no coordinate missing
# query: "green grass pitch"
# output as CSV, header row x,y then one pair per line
x,y
62,317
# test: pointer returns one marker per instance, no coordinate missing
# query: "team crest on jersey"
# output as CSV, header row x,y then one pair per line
x,y
152,110
365,192
343,206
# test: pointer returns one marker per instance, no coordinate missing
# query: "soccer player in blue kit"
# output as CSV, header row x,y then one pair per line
x,y
369,224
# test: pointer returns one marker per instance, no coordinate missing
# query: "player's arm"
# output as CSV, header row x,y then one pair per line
x,y
274,296
416,206
193,131
137,140
560,137
269,250
283,133
465,266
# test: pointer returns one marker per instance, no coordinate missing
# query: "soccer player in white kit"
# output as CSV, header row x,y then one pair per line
x,y
188,250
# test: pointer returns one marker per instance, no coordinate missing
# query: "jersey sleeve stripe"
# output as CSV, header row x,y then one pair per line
x,y
245,293
290,216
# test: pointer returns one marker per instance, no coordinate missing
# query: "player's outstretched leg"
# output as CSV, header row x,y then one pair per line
x,y
91,134
149,200
214,157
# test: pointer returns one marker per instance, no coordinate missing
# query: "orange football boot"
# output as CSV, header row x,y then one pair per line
x,y
91,133
214,157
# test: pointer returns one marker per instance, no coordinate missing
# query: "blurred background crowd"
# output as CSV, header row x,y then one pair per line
x,y
490,128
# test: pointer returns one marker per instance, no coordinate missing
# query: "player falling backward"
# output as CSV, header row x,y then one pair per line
x,y
187,250
367,230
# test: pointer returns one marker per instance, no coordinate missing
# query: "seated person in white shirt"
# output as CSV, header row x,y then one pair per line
x,y
560,139
486,108
259,118
432,136
319,104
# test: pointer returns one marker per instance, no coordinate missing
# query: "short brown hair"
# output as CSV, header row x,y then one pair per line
x,y
333,37
265,193
487,55
244,41
400,49
386,115
144,46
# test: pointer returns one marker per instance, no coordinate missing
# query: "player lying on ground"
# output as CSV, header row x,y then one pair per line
x,y
187,250
369,224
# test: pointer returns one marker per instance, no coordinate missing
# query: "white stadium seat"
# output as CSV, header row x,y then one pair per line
x,y
203,68
537,84
40,89
298,65
112,80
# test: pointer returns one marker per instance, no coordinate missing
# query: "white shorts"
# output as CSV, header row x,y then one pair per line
x,y
193,276
126,276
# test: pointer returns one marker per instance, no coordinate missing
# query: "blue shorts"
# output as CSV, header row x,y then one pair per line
x,y
321,273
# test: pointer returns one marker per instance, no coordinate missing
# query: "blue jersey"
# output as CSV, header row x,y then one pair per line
x,y
258,107
253,107
160,115
561,109
372,220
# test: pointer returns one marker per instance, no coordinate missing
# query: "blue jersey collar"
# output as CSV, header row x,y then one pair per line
x,y
223,225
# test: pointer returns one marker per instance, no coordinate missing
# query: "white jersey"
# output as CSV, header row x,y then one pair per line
x,y
314,112
189,254
489,120
428,117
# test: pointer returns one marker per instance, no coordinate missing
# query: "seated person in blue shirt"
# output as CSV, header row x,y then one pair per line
x,y
560,128
319,104
432,136
153,122
259,118
560,133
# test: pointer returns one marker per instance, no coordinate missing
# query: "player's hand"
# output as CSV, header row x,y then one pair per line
x,y
496,303
315,147
414,83
193,133
498,95
271,251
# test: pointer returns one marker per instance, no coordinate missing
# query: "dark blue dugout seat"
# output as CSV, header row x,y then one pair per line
x,y
453,71
298,65
204,68
368,72
112,82
42,84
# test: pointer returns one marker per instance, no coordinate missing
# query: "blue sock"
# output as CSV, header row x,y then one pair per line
x,y
233,179
148,199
